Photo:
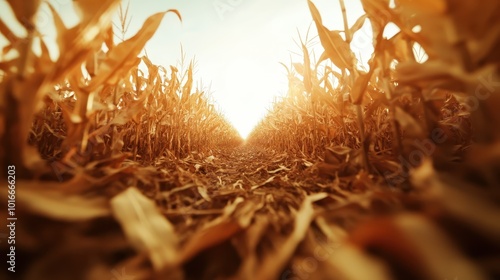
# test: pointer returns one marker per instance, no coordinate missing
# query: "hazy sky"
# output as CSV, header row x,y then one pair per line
x,y
237,44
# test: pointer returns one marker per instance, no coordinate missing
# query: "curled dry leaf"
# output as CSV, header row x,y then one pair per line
x,y
416,246
208,237
148,230
275,262
459,198
46,199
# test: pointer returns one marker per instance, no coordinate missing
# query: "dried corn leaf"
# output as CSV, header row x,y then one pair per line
x,y
427,6
468,204
337,50
274,262
47,200
208,237
123,57
440,256
147,230
348,259
25,10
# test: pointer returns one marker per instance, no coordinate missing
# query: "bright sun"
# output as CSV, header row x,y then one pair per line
x,y
252,84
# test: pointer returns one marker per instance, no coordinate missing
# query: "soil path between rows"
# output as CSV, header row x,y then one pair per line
x,y
246,202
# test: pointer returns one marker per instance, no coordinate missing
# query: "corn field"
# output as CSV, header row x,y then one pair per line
x,y
114,167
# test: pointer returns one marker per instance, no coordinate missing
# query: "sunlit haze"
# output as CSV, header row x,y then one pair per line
x,y
237,45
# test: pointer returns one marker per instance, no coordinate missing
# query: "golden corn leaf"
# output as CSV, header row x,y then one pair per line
x,y
307,70
25,10
458,198
438,252
337,50
7,33
358,24
209,237
47,199
124,56
426,6
274,263
88,9
186,90
418,245
82,40
152,69
299,68
359,87
108,40
346,255
146,228
378,11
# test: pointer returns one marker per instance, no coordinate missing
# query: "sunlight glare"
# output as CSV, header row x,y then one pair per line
x,y
251,84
